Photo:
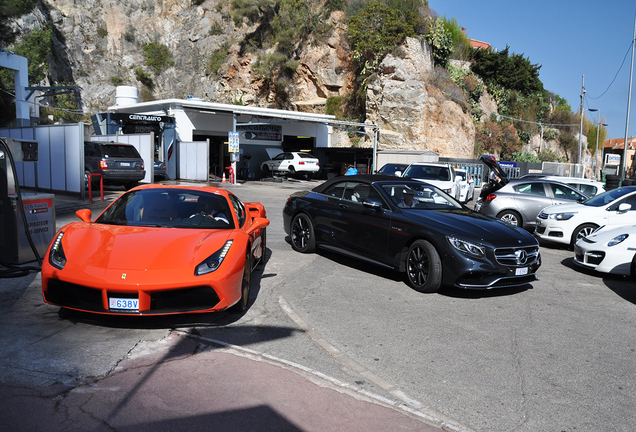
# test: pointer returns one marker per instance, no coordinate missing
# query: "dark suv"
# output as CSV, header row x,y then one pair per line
x,y
119,164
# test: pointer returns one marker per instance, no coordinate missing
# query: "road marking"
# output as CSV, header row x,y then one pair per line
x,y
414,406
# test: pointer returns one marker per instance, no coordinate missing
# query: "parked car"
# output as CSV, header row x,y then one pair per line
x,y
414,228
587,186
292,163
441,175
119,164
158,249
520,201
159,170
395,169
466,185
608,250
566,224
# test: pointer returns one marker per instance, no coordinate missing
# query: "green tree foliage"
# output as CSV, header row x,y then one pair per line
x,y
440,41
36,47
158,57
512,72
144,78
462,49
9,10
253,10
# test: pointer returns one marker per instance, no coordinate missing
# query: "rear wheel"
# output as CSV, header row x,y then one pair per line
x,y
582,231
245,285
302,234
423,267
633,268
510,216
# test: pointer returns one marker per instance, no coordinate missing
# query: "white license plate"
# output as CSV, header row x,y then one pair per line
x,y
123,303
521,271
124,164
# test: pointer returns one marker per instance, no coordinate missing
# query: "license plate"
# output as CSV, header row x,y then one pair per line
x,y
123,303
126,164
521,271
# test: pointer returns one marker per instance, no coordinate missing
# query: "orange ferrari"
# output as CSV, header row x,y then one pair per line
x,y
158,249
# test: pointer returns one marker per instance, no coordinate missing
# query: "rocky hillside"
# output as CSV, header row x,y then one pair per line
x,y
99,44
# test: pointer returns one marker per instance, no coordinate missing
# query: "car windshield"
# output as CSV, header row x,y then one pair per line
x,y
607,197
118,150
169,208
419,196
427,172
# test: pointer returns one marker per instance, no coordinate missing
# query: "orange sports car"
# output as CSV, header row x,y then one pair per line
x,y
158,249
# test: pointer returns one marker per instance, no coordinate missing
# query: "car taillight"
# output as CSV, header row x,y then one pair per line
x,y
142,165
103,164
301,163
491,197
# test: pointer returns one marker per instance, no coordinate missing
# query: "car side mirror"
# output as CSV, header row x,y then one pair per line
x,y
624,207
257,223
372,204
84,215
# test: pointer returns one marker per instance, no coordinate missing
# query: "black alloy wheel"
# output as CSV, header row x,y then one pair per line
x,y
302,234
245,284
423,267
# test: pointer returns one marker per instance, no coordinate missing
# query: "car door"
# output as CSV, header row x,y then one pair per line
x,y
328,225
562,194
275,164
530,199
286,162
365,231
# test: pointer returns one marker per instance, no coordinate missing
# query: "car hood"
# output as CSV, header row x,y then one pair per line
x,y
470,225
565,208
603,235
99,246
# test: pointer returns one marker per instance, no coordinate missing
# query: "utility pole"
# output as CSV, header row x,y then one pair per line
x,y
629,99
581,111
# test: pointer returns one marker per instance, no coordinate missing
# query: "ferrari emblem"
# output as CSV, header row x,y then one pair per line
x,y
123,275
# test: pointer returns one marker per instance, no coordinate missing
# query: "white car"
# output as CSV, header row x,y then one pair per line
x,y
608,250
441,175
466,185
567,223
291,163
587,186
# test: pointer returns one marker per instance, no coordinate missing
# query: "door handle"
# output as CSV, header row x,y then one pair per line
x,y
343,206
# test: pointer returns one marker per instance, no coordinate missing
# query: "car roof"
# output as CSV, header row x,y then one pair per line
x,y
538,180
578,179
436,164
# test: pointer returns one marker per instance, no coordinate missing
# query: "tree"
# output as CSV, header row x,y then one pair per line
x,y
513,72
500,138
9,10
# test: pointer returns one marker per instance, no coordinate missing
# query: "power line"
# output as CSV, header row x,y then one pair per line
x,y
617,72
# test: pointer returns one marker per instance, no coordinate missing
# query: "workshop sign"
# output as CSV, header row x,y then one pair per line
x,y
261,132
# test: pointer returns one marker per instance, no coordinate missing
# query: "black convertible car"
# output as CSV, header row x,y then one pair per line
x,y
411,227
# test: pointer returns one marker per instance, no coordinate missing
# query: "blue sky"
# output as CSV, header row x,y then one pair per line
x,y
568,40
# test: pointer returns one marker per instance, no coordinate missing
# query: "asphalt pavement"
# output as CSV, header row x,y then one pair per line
x,y
187,382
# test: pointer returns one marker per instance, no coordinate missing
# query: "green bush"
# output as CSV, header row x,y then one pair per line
x,y
157,57
102,32
216,29
144,77
116,81
36,46
129,36
216,59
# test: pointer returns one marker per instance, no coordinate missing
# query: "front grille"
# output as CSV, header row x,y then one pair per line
x,y
517,257
183,300
74,296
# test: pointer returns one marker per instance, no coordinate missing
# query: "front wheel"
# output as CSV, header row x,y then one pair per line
x,y
582,231
424,267
512,217
302,234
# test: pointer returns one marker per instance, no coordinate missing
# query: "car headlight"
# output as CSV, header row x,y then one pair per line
x,y
562,216
617,240
448,191
57,258
467,247
214,261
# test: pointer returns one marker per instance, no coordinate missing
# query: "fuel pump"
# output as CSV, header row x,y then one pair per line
x,y
27,221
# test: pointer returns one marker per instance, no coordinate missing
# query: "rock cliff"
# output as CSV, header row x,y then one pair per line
x,y
99,44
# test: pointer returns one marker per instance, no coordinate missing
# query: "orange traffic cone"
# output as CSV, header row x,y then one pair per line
x,y
223,181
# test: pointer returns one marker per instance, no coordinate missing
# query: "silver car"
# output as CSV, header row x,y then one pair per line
x,y
520,201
